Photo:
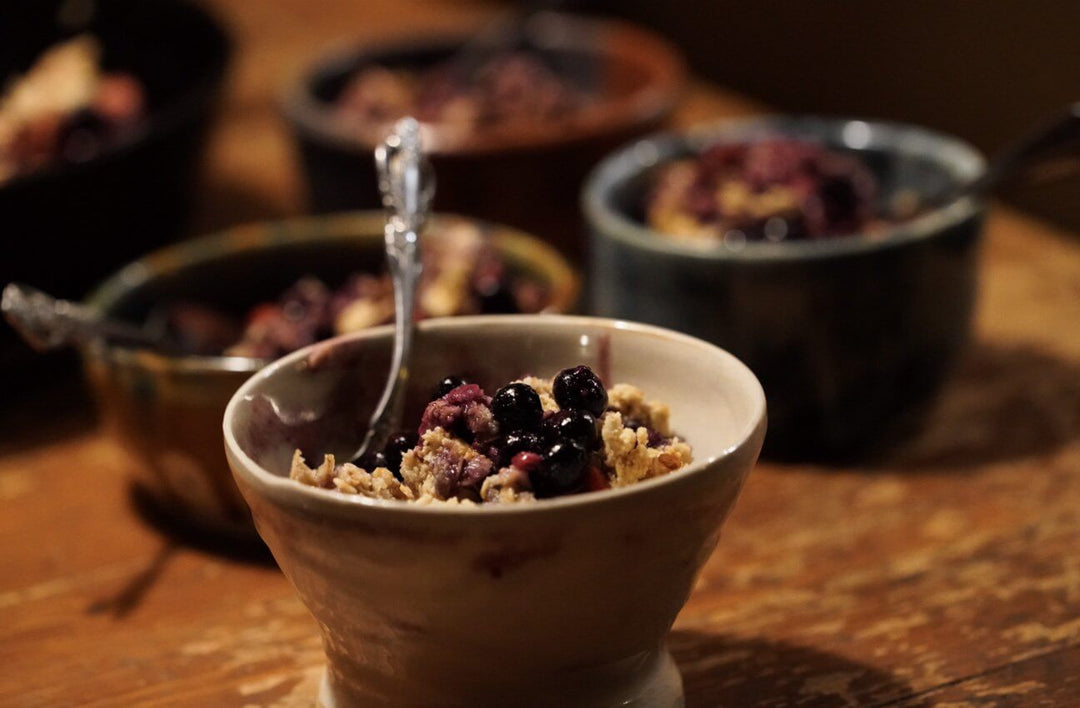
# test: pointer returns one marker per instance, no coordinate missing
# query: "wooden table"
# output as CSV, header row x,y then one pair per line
x,y
946,573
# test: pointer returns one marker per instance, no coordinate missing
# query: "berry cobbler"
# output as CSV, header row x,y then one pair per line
x,y
769,190
463,274
66,109
533,439
508,88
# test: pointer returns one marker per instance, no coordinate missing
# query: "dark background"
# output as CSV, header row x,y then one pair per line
x,y
985,71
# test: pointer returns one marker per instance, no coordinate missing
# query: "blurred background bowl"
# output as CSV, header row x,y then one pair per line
x,y
527,175
67,225
848,335
167,410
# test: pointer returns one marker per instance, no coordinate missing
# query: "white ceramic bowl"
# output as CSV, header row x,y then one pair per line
x,y
564,602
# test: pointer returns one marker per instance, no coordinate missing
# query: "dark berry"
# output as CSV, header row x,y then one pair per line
x,y
581,389
517,406
370,460
576,425
655,438
396,447
447,385
562,472
509,446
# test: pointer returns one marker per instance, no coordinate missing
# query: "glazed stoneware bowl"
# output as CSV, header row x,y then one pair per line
x,y
561,602
850,336
92,217
633,77
166,410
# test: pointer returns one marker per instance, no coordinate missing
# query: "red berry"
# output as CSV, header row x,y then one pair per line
x,y
527,461
595,479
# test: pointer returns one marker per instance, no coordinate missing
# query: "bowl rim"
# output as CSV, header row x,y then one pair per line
x,y
165,119
362,225
666,70
608,223
285,491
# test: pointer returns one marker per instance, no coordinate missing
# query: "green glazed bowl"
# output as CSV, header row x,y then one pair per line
x,y
167,410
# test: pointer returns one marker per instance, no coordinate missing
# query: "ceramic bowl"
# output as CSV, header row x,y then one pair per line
x,y
635,79
93,217
562,602
850,336
166,410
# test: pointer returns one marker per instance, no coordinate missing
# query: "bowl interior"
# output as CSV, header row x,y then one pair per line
x,y
319,399
577,65
904,159
630,77
240,268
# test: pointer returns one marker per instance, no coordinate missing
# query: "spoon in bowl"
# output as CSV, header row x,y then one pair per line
x,y
47,323
1056,140
407,183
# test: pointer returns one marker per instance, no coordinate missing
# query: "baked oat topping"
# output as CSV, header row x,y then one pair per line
x,y
532,440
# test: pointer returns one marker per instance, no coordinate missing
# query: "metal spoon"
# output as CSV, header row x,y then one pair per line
x,y
1052,139
47,323
407,184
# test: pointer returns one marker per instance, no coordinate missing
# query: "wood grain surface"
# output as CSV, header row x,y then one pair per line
x,y
945,572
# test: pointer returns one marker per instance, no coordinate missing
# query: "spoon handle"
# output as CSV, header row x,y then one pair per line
x,y
48,323
407,184
1053,139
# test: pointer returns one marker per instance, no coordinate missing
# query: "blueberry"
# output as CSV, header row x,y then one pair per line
x,y
509,446
517,406
447,385
655,438
579,388
563,470
396,447
370,460
576,425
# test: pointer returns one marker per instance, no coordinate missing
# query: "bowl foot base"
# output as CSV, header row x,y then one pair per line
x,y
659,686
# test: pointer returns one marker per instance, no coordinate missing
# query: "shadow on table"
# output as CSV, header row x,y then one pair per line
x,y
186,535
130,595
1002,403
722,671
178,536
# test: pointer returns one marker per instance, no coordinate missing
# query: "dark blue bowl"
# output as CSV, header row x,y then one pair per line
x,y
849,336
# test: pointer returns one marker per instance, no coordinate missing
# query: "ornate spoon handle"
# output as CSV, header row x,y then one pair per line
x,y
407,184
